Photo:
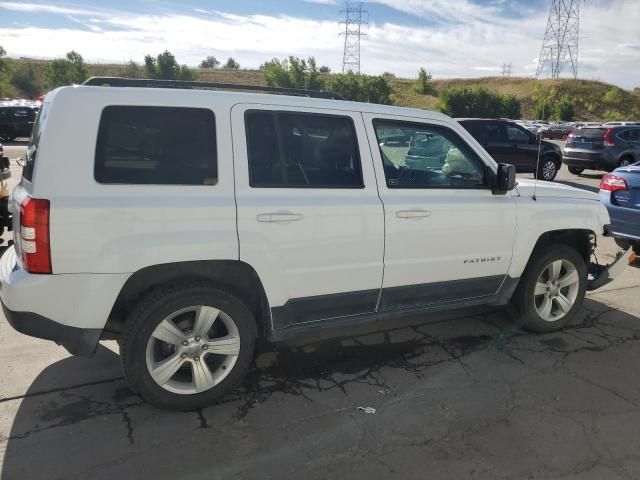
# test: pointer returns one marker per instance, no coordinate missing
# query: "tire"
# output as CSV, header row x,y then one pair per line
x,y
625,244
528,304
575,170
625,162
548,169
176,308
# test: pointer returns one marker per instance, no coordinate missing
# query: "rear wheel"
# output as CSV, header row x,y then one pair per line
x,y
625,161
548,169
575,170
186,346
551,289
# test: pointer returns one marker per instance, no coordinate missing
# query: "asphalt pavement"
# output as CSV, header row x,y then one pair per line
x,y
461,396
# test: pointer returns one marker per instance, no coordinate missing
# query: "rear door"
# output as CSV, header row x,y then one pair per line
x,y
310,221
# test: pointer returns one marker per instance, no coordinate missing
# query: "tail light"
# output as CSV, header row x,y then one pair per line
x,y
608,138
34,235
613,183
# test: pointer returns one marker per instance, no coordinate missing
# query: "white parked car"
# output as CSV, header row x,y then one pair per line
x,y
186,223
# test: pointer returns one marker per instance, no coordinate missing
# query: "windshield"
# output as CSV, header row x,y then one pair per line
x,y
32,149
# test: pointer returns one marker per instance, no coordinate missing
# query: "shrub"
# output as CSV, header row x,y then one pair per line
x,y
361,88
478,103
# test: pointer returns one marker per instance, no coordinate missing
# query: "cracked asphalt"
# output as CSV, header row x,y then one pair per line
x,y
466,395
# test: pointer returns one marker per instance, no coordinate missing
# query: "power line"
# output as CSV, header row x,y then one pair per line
x,y
353,21
560,45
506,69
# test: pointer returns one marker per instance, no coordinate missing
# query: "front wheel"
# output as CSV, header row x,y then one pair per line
x,y
575,170
186,346
551,289
548,169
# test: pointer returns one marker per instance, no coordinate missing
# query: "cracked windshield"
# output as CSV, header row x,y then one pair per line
x,y
320,239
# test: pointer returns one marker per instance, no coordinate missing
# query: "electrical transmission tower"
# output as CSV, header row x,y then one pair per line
x,y
560,44
353,22
506,69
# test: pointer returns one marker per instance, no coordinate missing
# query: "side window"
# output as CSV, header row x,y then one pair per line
x,y
300,150
517,135
19,112
156,145
426,156
494,133
634,135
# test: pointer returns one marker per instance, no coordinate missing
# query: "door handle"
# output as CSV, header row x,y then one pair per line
x,y
279,217
414,213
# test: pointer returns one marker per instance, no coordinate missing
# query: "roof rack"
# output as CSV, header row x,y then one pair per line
x,y
152,83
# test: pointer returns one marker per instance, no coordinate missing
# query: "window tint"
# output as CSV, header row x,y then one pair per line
x,y
517,135
425,156
633,135
299,150
156,145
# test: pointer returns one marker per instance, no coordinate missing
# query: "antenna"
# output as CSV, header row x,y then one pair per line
x,y
560,44
537,174
352,32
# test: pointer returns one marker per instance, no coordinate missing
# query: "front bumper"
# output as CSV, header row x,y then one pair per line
x,y
77,341
599,275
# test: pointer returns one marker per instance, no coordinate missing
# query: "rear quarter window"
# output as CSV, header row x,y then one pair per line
x,y
156,145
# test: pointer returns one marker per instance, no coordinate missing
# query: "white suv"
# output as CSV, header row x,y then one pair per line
x,y
186,223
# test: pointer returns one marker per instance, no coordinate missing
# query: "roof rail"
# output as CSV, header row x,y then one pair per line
x,y
153,83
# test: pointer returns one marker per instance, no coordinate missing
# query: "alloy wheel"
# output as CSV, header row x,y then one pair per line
x,y
193,349
556,290
549,170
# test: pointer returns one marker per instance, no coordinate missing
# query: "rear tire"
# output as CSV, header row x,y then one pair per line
x,y
551,289
625,162
575,170
185,346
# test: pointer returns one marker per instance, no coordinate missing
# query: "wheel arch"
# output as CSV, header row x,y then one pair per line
x,y
234,276
580,239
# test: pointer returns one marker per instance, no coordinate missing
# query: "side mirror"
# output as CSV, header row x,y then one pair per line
x,y
505,179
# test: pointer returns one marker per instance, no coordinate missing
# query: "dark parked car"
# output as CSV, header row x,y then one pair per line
x,y
602,148
508,142
17,121
555,131
620,193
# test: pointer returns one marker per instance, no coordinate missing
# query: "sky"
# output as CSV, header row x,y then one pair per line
x,y
450,38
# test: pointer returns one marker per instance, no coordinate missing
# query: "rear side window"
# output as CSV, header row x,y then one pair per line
x,y
156,145
300,150
34,142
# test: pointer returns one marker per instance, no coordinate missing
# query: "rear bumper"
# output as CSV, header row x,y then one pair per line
x,y
590,160
70,309
77,341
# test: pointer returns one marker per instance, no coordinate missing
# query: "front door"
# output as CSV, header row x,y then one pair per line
x,y
448,238
310,221
523,148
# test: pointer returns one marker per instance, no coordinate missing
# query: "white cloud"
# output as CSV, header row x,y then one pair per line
x,y
467,40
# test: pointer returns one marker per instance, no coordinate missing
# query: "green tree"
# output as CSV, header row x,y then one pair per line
x,y
563,109
210,62
361,88
231,64
424,85
6,90
613,96
511,107
292,73
26,80
68,70
542,110
133,70
324,69
165,67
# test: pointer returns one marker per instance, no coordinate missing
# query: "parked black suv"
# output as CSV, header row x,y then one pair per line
x,y
16,121
602,148
508,142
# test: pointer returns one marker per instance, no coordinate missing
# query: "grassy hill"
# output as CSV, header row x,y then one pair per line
x,y
592,100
